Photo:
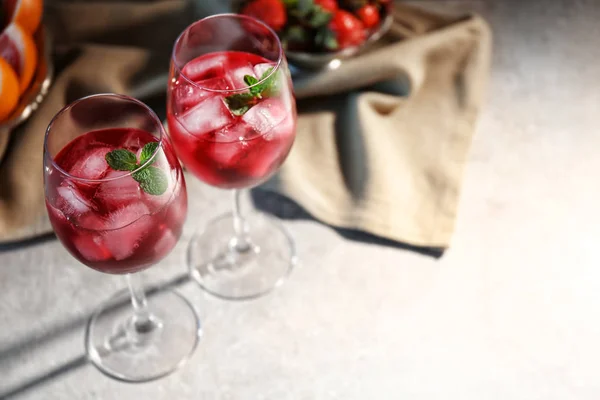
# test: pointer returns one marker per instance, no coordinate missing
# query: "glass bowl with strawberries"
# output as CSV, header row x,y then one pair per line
x,y
319,33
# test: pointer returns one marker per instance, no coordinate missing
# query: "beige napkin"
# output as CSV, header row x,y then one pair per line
x,y
383,163
384,152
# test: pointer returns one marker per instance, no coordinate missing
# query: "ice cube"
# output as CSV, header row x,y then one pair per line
x,y
91,247
126,215
123,242
230,143
92,221
226,154
92,165
236,76
266,115
204,67
131,141
207,116
177,208
260,69
55,214
232,133
188,95
118,192
127,227
71,201
165,244
283,131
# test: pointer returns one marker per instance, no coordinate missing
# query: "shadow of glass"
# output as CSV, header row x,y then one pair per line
x,y
16,350
44,377
284,208
24,243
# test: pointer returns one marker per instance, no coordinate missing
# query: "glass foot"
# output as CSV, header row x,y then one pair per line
x,y
232,270
131,350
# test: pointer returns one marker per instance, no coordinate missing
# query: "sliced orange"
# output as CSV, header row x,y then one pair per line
x,y
9,90
18,49
27,13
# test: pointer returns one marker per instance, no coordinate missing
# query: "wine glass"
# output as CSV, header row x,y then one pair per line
x,y
117,200
232,119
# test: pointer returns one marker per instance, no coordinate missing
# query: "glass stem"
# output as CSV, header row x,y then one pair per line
x,y
240,241
143,322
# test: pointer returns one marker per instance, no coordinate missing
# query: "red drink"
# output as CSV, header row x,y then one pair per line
x,y
221,145
106,220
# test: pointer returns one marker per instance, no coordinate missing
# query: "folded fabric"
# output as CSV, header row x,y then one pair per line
x,y
383,140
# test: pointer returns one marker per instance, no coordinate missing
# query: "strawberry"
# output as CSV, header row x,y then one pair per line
x,y
369,15
348,29
271,12
328,5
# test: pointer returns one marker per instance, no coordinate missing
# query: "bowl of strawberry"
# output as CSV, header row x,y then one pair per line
x,y
316,32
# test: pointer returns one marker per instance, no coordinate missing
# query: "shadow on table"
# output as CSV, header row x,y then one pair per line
x,y
15,351
24,243
45,377
284,208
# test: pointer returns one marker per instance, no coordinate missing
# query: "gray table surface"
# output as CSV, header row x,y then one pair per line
x,y
511,311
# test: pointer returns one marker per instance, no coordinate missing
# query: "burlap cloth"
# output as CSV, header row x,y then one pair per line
x,y
382,140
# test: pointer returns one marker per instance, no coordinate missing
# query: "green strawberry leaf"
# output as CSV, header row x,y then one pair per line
x,y
296,34
305,6
121,160
320,17
325,38
152,180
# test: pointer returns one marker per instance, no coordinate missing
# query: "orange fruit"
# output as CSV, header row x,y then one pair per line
x,y
27,13
9,89
18,49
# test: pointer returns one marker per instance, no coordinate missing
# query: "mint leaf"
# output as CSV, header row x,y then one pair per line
x,y
270,86
121,160
148,151
240,103
152,180
250,80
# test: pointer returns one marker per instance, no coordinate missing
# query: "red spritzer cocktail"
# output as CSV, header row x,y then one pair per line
x,y
108,221
226,138
232,119
117,200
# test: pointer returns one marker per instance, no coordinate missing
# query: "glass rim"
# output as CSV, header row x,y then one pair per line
x,y
274,70
105,95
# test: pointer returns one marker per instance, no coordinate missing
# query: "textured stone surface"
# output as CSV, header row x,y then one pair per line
x,y
509,312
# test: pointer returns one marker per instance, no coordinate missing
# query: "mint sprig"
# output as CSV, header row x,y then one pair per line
x,y
121,160
240,103
147,152
152,180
